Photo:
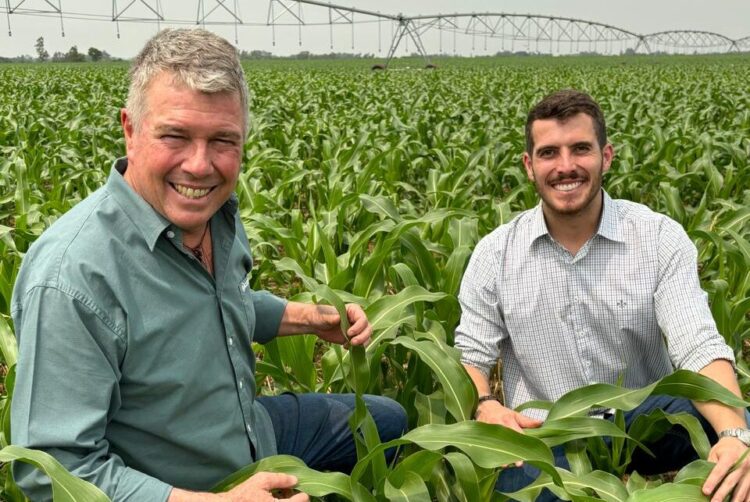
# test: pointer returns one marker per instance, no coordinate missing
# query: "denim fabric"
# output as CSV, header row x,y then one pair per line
x,y
672,451
315,427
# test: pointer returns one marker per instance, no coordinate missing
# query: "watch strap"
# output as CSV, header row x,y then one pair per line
x,y
737,432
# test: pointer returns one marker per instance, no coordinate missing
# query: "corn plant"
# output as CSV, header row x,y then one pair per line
x,y
375,188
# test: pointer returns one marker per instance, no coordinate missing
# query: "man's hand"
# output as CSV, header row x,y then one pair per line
x,y
260,487
725,454
324,321
492,412
265,487
728,450
327,324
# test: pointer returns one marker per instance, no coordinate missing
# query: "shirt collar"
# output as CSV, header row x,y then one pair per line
x,y
145,218
609,224
538,225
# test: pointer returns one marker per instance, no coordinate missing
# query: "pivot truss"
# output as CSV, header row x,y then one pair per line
x,y
528,33
690,41
513,33
489,32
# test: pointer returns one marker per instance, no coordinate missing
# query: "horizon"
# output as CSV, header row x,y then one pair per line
x,y
367,35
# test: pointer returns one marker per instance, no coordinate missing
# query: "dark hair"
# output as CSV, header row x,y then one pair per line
x,y
562,105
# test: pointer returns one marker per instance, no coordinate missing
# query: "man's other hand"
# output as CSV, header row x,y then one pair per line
x,y
260,487
725,453
326,323
492,412
266,487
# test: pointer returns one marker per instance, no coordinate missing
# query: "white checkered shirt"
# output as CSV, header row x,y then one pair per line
x,y
628,303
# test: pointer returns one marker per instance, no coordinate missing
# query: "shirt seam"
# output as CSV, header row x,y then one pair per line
x,y
61,257
86,302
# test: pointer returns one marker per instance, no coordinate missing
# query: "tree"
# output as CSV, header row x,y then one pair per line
x,y
95,54
41,52
73,56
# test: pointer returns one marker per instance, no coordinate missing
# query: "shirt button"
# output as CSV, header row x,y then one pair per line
x,y
230,341
240,384
249,429
170,234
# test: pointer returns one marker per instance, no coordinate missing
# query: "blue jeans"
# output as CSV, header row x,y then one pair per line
x,y
315,427
671,452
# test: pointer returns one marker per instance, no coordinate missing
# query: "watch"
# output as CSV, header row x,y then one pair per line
x,y
737,432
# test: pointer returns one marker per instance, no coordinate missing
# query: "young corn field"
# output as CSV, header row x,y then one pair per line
x,y
375,188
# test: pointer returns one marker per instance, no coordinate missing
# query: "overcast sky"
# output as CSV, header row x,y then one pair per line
x,y
727,17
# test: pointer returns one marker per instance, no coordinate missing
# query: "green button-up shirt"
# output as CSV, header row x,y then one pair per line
x,y
135,366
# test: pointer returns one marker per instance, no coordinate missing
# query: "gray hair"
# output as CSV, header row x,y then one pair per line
x,y
197,58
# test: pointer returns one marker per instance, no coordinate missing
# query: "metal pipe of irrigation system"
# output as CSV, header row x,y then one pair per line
x,y
352,9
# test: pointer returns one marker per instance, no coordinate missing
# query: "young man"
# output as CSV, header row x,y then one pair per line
x,y
135,320
585,289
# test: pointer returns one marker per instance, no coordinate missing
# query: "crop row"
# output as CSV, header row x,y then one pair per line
x,y
375,188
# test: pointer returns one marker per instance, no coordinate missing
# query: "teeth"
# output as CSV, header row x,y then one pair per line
x,y
191,193
567,187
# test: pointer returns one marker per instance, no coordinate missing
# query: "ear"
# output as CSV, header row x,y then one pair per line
x,y
529,167
608,153
127,128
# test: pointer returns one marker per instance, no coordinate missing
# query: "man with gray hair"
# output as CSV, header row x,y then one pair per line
x,y
135,318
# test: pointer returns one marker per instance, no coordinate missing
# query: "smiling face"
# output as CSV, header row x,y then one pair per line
x,y
184,157
567,165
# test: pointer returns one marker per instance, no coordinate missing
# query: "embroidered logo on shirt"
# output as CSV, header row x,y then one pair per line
x,y
622,304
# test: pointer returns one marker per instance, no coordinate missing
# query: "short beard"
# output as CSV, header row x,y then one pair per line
x,y
595,182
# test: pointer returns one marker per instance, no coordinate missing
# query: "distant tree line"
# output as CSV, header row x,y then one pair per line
x,y
95,55
72,56
253,55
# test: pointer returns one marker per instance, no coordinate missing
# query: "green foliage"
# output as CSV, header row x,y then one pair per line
x,y
65,486
375,188
471,452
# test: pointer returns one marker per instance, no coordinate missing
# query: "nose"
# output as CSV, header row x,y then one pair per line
x,y
566,162
198,160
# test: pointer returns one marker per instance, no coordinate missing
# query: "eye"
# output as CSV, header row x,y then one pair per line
x,y
226,144
582,148
226,141
546,153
